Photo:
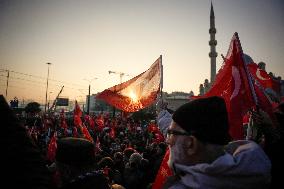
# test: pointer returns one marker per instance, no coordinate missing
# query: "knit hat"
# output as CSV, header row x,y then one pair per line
x,y
206,119
75,151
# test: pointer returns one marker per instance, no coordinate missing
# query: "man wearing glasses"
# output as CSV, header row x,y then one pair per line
x,y
201,155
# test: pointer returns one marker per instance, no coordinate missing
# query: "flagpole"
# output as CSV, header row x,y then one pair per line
x,y
161,82
247,72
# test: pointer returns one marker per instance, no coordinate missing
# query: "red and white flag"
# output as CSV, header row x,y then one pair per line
x,y
271,86
136,93
63,123
52,147
86,133
241,92
163,173
234,84
77,115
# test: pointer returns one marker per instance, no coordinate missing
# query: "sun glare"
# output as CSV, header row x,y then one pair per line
x,y
133,96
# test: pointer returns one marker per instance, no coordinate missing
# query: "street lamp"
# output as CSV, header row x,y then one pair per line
x,y
88,105
48,64
48,100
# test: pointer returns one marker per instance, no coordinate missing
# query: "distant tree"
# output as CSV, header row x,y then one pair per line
x,y
33,108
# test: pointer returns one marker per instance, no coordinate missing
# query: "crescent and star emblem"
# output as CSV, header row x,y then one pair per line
x,y
259,75
237,80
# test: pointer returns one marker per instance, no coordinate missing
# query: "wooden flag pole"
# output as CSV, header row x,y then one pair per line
x,y
161,82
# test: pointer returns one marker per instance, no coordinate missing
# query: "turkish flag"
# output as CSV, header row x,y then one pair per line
x,y
260,75
63,123
52,147
163,173
232,83
270,85
77,114
263,101
77,109
100,122
86,133
136,93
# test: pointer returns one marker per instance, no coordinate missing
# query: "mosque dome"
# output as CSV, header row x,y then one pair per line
x,y
248,59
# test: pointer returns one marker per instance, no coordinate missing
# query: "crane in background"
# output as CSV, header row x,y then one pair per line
x,y
121,74
54,102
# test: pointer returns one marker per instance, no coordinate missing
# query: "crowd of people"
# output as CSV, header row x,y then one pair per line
x,y
51,151
120,152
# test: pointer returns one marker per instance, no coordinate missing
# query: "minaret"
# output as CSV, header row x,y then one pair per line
x,y
212,43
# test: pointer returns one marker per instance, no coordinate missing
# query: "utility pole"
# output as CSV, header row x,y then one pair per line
x,y
89,95
48,64
7,82
89,98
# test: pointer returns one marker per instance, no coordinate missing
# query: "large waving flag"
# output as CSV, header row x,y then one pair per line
x,y
136,93
234,84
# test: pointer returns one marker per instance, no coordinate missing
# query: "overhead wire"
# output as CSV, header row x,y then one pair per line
x,y
37,83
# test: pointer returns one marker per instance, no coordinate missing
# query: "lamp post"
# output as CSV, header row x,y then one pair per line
x,y
88,105
48,64
48,100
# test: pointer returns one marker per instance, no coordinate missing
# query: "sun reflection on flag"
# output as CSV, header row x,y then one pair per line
x,y
136,93
133,96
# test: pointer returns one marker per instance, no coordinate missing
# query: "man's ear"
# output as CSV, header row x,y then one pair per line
x,y
191,145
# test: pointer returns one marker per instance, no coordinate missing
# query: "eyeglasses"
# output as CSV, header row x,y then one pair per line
x,y
175,132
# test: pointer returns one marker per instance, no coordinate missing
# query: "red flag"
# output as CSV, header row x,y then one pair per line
x,y
90,121
86,133
163,173
112,133
100,122
263,101
232,83
136,93
77,109
77,115
63,123
159,137
270,85
75,132
260,75
152,128
52,146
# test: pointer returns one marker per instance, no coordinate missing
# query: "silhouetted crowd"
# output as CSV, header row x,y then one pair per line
x,y
55,151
